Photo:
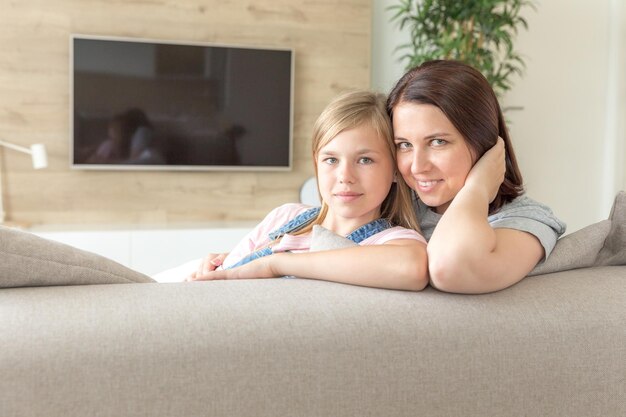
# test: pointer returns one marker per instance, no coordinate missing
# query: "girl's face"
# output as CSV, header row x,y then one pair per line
x,y
354,174
433,157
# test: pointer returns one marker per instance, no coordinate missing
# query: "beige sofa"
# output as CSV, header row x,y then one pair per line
x,y
552,345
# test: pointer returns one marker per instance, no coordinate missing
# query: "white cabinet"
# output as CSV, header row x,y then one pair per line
x,y
149,250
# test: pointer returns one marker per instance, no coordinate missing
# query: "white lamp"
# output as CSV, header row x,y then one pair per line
x,y
40,160
309,194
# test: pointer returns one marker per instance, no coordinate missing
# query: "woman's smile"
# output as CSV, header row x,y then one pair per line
x,y
427,185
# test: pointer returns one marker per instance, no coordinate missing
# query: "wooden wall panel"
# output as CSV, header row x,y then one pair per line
x,y
332,53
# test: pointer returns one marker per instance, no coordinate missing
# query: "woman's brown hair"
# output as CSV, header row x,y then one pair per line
x,y
463,94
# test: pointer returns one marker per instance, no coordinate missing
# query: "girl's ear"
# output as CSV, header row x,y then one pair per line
x,y
395,176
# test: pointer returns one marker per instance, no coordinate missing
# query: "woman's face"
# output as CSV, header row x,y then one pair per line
x,y
433,157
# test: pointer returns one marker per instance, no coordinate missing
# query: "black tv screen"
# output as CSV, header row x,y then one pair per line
x,y
143,104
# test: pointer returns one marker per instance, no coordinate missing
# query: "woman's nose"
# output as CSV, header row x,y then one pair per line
x,y
421,162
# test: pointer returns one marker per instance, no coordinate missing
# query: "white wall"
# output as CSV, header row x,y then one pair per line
x,y
386,37
569,137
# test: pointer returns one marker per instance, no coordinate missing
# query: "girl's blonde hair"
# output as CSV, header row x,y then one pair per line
x,y
350,110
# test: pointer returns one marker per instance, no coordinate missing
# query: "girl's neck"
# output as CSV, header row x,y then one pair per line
x,y
344,226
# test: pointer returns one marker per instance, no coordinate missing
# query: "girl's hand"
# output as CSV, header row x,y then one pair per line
x,y
488,172
208,264
259,268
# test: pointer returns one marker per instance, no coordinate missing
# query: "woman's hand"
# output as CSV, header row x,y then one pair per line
x,y
488,172
259,268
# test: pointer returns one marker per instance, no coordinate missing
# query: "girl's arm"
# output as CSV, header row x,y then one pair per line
x,y
208,264
397,264
257,237
465,254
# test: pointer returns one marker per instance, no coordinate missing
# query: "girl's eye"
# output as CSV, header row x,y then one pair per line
x,y
365,160
438,142
404,145
330,161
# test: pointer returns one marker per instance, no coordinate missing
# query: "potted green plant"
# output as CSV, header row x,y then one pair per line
x,y
478,32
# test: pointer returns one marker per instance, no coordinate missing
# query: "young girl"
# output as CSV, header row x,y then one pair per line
x,y
362,199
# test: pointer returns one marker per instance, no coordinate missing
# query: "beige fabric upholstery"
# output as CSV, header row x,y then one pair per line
x,y
552,345
27,260
614,250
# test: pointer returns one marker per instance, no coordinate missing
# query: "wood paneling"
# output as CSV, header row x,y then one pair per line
x,y
332,53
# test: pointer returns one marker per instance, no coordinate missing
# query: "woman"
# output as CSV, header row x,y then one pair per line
x,y
454,151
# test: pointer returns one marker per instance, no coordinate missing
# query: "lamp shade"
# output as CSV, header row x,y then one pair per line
x,y
39,155
309,194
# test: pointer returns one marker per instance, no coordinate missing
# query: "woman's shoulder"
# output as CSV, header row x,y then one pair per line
x,y
528,215
524,206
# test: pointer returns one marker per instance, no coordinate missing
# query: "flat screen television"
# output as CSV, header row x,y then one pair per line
x,y
146,104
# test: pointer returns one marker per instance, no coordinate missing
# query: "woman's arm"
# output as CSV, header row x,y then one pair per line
x,y
465,254
398,264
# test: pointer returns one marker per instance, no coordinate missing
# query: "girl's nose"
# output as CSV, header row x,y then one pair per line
x,y
346,174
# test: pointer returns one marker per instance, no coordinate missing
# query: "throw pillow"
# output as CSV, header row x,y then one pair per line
x,y
577,250
600,244
27,260
324,239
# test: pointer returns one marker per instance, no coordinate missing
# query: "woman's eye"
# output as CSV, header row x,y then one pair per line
x,y
438,142
330,161
403,145
365,160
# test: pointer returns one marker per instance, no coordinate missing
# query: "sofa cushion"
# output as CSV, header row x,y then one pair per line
x,y
576,250
599,244
27,260
613,251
